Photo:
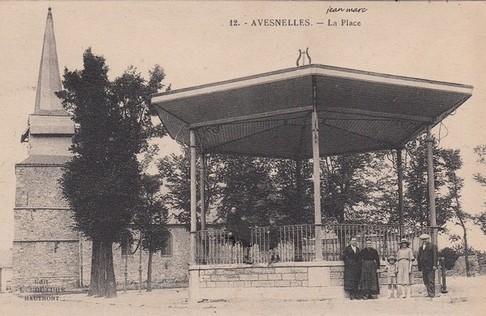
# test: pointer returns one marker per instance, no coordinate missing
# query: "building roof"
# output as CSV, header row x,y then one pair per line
x,y
44,160
269,115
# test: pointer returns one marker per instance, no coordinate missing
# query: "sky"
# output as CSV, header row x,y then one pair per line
x,y
195,44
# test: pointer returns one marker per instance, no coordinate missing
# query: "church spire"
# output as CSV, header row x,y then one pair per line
x,y
50,127
49,78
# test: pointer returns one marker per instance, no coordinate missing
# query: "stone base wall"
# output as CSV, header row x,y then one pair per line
x,y
45,248
49,263
292,280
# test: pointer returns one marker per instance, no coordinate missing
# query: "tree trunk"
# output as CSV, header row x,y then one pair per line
x,y
466,255
94,285
149,271
103,281
461,216
110,289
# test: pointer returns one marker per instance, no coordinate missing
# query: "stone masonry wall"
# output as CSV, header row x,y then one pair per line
x,y
167,271
290,274
56,262
38,186
46,248
254,277
39,224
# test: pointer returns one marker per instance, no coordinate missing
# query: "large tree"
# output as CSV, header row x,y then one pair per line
x,y
102,181
446,163
344,185
480,178
293,185
460,217
174,171
249,189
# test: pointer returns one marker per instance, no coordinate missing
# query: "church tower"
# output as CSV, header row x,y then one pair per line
x,y
45,249
47,252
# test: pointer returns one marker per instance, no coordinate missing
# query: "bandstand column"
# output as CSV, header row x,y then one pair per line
x,y
400,188
430,177
192,139
316,176
201,190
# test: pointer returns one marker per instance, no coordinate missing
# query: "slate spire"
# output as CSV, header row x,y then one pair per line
x,y
50,127
49,78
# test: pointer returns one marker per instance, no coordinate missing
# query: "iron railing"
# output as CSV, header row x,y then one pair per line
x,y
293,243
384,238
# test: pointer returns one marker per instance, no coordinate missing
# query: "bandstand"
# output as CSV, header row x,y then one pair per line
x,y
306,112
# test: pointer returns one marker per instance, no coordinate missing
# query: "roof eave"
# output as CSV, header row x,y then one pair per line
x,y
318,70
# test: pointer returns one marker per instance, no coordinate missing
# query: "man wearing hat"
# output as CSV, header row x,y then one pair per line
x,y
352,268
427,263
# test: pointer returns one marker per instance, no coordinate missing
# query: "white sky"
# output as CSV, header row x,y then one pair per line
x,y
194,43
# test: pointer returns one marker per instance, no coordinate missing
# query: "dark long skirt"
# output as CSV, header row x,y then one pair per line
x,y
369,278
352,273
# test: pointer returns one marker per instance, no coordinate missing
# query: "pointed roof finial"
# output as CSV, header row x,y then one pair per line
x,y
49,80
49,13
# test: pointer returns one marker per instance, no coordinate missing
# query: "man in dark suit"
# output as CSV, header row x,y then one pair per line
x,y
427,263
239,232
352,268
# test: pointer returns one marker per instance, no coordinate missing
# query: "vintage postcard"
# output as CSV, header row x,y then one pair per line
x,y
290,80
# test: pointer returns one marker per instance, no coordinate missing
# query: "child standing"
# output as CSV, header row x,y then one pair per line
x,y
391,272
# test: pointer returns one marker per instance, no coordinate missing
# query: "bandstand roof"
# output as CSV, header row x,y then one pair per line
x,y
269,115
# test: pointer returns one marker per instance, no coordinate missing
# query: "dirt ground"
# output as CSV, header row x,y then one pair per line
x,y
467,296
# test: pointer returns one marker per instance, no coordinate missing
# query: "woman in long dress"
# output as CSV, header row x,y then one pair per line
x,y
404,258
369,275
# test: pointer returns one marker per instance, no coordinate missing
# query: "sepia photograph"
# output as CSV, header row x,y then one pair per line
x,y
243,158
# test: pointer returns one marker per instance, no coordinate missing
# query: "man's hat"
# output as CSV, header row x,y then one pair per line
x,y
391,257
424,236
404,241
